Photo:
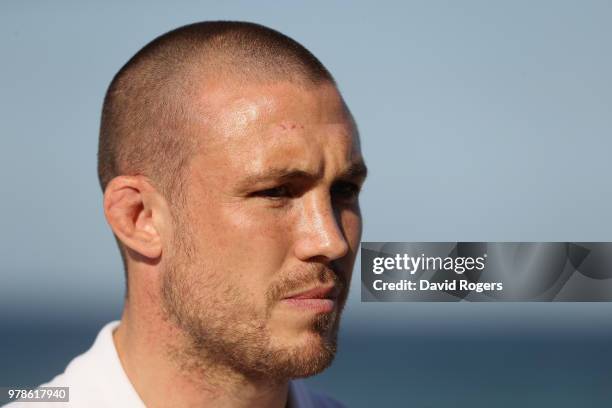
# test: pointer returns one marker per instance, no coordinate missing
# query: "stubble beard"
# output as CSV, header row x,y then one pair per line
x,y
225,336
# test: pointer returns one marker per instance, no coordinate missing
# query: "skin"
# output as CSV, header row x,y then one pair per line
x,y
272,210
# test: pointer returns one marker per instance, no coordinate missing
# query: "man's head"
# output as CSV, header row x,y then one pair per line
x,y
231,168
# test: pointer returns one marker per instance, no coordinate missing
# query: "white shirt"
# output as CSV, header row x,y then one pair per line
x,y
97,380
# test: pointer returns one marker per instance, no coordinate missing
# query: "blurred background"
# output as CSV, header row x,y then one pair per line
x,y
480,121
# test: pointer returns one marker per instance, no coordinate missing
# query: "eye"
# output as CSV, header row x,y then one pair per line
x,y
274,193
345,191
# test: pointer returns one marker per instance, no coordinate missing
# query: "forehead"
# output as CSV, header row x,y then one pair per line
x,y
258,126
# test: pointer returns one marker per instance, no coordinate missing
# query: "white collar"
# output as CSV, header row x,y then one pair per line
x,y
124,393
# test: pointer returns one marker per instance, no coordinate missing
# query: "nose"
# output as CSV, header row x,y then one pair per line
x,y
319,233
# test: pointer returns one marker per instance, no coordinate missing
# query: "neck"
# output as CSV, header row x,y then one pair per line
x,y
165,371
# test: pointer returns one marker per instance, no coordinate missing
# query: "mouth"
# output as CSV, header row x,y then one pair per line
x,y
321,299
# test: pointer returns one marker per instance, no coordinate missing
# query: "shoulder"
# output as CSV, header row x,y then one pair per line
x,y
302,396
94,378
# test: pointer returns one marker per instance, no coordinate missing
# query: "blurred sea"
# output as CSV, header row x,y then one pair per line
x,y
395,368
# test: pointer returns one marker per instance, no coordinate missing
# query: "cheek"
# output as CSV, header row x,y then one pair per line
x,y
351,225
248,246
352,228
259,231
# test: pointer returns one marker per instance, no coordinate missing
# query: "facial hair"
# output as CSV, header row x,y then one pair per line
x,y
227,334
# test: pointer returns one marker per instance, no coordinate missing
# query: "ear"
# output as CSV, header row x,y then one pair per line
x,y
135,212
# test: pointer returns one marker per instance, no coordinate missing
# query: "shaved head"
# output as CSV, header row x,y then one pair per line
x,y
148,101
153,99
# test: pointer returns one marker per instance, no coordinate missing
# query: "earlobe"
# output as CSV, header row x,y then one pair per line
x,y
129,210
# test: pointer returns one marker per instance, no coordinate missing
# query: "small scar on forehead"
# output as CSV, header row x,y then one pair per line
x,y
290,126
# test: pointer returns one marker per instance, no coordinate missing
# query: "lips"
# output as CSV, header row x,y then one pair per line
x,y
321,299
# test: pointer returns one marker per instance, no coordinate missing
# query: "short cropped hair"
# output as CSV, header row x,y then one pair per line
x,y
146,109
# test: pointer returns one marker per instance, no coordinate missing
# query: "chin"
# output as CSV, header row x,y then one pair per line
x,y
308,353
313,356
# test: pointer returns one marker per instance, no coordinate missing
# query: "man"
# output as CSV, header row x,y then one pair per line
x,y
231,170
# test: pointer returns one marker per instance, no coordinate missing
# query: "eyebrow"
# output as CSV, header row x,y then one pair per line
x,y
356,170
